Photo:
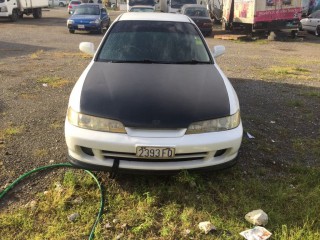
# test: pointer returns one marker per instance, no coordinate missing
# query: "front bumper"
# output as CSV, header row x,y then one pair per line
x,y
84,27
194,151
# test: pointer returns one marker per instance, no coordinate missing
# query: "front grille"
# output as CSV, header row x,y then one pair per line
x,y
132,157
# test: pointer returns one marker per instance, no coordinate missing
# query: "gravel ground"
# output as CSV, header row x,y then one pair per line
x,y
281,109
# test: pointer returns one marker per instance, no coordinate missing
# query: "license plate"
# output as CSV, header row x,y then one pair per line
x,y
155,152
80,26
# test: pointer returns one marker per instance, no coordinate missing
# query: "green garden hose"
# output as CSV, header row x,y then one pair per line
x,y
91,236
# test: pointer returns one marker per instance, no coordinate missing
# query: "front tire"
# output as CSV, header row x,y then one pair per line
x,y
102,30
37,13
294,34
317,32
71,31
15,15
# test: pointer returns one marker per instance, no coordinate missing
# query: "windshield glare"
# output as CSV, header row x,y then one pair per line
x,y
86,10
154,42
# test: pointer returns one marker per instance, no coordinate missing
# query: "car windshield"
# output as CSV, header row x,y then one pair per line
x,y
87,10
154,42
75,2
196,12
141,9
141,2
180,3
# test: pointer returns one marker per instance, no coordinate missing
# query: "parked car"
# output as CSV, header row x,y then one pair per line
x,y
142,8
153,99
89,17
72,5
200,15
311,23
61,3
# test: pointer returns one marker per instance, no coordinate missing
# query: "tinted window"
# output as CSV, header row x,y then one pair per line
x,y
75,2
180,3
162,42
141,2
87,10
196,12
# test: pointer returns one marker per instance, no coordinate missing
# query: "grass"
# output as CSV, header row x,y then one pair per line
x,y
40,153
71,54
10,131
311,94
171,207
53,81
37,54
285,72
56,125
49,218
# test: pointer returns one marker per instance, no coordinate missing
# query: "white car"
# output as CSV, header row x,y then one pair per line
x,y
311,23
153,99
61,3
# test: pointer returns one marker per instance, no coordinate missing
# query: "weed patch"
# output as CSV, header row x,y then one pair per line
x,y
37,54
55,82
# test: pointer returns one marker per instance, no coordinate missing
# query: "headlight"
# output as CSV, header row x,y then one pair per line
x,y
70,22
94,123
4,9
215,125
97,21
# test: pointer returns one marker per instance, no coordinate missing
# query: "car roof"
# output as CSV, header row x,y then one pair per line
x,y
154,16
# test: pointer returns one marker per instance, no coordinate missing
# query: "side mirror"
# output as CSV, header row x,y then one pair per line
x,y
218,51
87,47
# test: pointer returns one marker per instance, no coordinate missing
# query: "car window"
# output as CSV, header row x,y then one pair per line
x,y
141,10
87,10
154,41
317,14
196,12
141,2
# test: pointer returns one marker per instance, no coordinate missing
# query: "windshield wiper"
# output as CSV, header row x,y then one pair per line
x,y
193,61
138,61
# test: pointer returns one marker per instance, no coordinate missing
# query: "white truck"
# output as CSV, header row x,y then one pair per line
x,y
131,3
262,15
15,9
173,6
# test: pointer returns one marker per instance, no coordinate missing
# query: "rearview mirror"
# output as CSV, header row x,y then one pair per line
x,y
87,47
218,51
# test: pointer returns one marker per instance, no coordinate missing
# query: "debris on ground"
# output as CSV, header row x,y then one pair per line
x,y
73,217
257,217
256,233
206,227
250,136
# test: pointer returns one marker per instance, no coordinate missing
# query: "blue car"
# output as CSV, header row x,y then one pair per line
x,y
89,17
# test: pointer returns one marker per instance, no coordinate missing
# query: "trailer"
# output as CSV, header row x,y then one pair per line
x,y
262,15
15,9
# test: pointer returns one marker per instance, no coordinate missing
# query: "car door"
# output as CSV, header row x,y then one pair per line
x,y
314,20
104,17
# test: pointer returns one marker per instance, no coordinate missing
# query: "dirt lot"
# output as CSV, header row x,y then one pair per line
x,y
278,84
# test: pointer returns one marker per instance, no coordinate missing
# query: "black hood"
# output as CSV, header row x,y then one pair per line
x,y
154,95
